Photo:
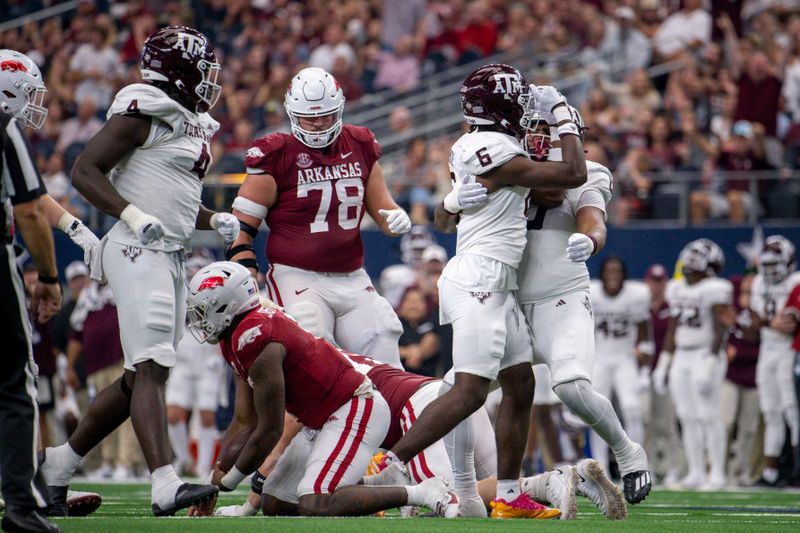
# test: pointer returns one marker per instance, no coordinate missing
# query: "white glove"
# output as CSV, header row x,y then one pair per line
x,y
548,98
146,227
226,225
643,380
465,196
80,235
659,375
579,247
397,219
706,371
236,510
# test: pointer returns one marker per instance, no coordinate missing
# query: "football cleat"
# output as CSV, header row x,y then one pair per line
x,y
16,520
59,501
521,507
386,472
595,485
636,486
187,495
561,491
439,497
82,503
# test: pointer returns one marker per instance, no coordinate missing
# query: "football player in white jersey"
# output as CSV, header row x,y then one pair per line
x,y
623,346
701,305
146,167
476,289
565,228
777,276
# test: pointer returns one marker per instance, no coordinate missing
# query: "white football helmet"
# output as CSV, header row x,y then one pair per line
x,y
777,260
703,256
314,93
217,294
22,88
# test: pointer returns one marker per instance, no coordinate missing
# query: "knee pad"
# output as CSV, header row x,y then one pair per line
x,y
161,312
581,398
309,316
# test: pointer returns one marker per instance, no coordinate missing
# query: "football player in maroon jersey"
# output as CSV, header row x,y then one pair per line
x,y
312,188
280,367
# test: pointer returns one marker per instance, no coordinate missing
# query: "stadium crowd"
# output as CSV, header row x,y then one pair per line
x,y
730,103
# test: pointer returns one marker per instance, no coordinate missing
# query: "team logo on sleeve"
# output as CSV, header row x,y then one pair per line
x,y
304,160
254,151
248,337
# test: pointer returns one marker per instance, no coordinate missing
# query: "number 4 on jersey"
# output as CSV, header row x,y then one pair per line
x,y
201,165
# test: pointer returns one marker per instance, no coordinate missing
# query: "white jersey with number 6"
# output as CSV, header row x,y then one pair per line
x,y
693,306
545,271
615,317
163,177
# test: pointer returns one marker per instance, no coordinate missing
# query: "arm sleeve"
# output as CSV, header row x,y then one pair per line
x,y
20,175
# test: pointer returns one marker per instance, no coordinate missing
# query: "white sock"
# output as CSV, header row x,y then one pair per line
x,y
770,474
179,438
536,487
165,483
507,489
416,495
717,445
206,442
692,430
460,446
599,449
60,465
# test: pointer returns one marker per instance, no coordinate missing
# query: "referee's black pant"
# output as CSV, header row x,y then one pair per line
x,y
22,484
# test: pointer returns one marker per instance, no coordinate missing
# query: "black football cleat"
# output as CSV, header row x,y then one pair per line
x,y
188,494
636,486
15,520
82,503
59,499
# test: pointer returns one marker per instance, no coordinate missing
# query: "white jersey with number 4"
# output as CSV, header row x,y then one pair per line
x,y
494,230
546,272
163,177
767,300
693,306
615,317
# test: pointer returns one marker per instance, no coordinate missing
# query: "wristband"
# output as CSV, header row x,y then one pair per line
x,y
594,242
48,280
561,113
257,482
247,228
232,479
248,262
568,128
68,223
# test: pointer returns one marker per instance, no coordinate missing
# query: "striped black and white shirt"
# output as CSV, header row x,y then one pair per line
x,y
21,181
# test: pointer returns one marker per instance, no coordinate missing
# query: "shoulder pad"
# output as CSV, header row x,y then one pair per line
x,y
479,152
147,100
600,179
360,133
262,151
719,291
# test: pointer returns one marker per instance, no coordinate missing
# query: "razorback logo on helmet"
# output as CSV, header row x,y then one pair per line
x,y
13,65
507,83
191,44
210,283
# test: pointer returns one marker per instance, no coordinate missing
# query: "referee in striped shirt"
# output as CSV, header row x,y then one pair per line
x,y
22,197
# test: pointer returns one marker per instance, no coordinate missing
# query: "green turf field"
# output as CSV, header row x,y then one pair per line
x,y
126,508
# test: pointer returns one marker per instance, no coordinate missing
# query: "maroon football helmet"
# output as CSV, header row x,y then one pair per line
x,y
182,62
490,97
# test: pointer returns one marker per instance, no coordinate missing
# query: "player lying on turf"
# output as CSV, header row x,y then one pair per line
x,y
408,395
281,367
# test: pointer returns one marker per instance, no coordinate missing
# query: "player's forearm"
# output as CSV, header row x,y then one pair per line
x,y
203,220
31,219
445,222
242,252
95,186
260,444
669,337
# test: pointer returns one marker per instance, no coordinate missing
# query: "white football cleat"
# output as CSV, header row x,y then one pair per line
x,y
387,472
440,498
593,484
561,486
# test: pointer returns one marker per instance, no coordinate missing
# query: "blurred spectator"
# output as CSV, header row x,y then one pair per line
x,y
96,66
684,31
398,69
402,19
624,48
419,343
739,397
334,46
400,120
81,127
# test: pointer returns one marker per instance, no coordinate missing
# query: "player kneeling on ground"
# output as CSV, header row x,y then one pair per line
x,y
279,366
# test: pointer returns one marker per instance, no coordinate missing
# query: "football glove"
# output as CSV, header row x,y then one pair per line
x,y
80,235
579,247
397,219
659,375
146,227
465,195
226,225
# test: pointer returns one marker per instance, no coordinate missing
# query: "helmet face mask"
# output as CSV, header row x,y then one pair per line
x,y
702,257
777,260
314,93
184,61
218,294
22,89
537,137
